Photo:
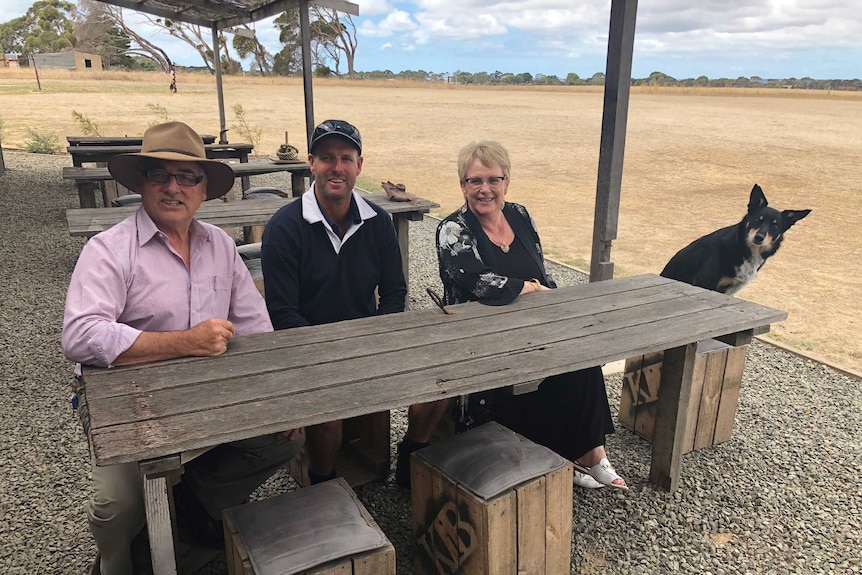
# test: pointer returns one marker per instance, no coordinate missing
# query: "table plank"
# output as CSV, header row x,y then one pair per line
x,y
119,140
103,153
271,382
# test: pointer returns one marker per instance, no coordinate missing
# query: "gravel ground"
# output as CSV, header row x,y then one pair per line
x,y
783,496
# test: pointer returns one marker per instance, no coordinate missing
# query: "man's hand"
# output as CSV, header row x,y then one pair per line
x,y
210,337
207,339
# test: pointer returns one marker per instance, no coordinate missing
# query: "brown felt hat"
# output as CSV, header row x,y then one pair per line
x,y
176,142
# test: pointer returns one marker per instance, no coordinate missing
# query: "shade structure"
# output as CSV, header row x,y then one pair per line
x,y
222,14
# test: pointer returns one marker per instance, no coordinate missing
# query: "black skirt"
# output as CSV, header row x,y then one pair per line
x,y
569,413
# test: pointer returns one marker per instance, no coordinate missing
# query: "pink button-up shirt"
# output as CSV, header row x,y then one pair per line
x,y
128,280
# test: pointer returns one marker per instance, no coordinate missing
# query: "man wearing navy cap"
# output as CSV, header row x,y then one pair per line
x,y
331,256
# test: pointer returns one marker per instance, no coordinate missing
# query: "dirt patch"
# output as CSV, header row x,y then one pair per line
x,y
691,160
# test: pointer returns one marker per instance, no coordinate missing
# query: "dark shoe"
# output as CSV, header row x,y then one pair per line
x,y
314,478
194,525
402,465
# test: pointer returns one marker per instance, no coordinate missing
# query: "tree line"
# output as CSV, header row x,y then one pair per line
x,y
99,28
598,79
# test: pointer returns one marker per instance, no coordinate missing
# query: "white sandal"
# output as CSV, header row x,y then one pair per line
x,y
604,473
586,481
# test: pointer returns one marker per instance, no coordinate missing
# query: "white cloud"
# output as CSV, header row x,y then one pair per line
x,y
373,7
459,26
395,22
385,46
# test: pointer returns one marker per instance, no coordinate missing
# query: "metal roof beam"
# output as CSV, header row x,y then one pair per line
x,y
180,15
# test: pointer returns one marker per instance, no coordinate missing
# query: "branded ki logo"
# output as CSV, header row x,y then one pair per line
x,y
447,541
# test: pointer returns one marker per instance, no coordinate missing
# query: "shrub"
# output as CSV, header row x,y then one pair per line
x,y
246,130
85,124
161,112
323,71
39,143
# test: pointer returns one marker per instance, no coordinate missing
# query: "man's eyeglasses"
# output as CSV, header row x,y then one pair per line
x,y
163,177
494,182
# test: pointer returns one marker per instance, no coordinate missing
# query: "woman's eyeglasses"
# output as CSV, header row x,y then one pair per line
x,y
494,182
163,177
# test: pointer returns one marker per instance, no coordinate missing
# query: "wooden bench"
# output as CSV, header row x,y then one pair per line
x,y
88,179
153,413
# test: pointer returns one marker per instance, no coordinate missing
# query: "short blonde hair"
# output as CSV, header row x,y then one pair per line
x,y
489,152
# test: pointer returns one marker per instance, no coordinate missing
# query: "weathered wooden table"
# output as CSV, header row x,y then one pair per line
x,y
88,222
89,178
118,140
102,153
271,382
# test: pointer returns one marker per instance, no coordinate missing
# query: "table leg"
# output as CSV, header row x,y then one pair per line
x,y
671,416
402,229
246,181
87,194
160,524
297,184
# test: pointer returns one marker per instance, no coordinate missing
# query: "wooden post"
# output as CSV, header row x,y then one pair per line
x,y
36,70
613,140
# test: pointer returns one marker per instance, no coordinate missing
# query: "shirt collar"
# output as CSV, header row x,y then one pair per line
x,y
147,229
360,210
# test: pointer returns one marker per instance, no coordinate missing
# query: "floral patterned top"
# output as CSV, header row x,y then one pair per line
x,y
472,267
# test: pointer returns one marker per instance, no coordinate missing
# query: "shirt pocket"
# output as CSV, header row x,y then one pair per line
x,y
214,293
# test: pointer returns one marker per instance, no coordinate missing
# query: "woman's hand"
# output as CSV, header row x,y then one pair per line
x,y
533,285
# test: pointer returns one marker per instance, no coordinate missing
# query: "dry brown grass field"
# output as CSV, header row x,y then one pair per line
x,y
692,157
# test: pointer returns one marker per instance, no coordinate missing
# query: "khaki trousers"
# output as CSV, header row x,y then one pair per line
x,y
220,478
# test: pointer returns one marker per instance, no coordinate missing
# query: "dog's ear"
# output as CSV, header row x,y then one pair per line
x,y
790,217
756,201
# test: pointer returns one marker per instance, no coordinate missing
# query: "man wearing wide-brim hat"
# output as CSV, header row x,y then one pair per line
x,y
160,285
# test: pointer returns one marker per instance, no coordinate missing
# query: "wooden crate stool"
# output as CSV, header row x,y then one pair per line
x,y
321,530
715,389
490,502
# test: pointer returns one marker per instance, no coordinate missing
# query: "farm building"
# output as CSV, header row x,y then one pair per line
x,y
69,61
10,60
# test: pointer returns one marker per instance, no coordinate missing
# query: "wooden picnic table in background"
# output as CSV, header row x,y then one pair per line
x,y
85,151
88,222
88,179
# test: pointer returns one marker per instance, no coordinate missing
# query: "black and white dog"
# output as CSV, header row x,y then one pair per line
x,y
728,259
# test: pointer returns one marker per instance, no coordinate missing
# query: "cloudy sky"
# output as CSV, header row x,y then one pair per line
x,y
821,39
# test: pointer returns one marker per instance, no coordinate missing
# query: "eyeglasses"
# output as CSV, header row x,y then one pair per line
x,y
163,177
340,128
494,182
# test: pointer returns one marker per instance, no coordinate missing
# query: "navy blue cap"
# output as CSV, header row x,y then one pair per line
x,y
336,128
